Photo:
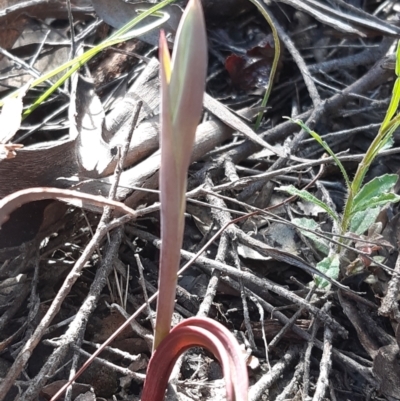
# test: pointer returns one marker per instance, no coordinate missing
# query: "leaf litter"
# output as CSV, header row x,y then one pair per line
x,y
73,142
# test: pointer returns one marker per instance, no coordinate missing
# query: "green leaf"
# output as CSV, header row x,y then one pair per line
x,y
305,195
330,266
375,192
381,200
320,243
361,221
394,103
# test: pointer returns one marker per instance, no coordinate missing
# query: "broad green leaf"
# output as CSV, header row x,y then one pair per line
x,y
326,147
361,221
305,195
381,200
375,192
320,243
330,266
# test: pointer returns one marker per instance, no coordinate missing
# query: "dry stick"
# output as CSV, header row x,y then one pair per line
x,y
274,342
210,264
222,218
366,57
107,265
389,303
72,30
31,70
75,332
7,205
82,316
78,328
77,340
267,380
115,351
212,287
325,364
243,295
289,389
34,300
362,370
104,362
262,324
12,202
245,181
142,282
307,358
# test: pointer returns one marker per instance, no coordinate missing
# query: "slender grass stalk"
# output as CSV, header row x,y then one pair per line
x,y
274,67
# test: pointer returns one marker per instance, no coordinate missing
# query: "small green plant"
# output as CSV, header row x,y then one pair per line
x,y
182,89
364,201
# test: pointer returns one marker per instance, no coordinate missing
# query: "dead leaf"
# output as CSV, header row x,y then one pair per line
x,y
249,75
117,13
353,21
14,15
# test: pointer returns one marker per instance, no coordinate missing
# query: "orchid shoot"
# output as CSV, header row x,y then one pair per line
x,y
182,88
